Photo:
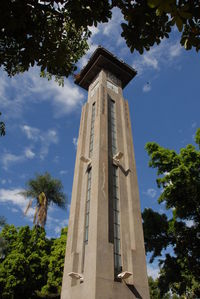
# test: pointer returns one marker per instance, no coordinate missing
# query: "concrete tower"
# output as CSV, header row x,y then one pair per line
x,y
105,256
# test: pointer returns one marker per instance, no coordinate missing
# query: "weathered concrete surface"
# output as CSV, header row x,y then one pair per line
x,y
95,261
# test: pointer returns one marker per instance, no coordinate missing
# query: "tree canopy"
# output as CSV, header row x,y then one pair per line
x,y
2,128
53,34
31,262
43,191
179,180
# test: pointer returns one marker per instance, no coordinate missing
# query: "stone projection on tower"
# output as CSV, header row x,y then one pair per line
x,y
105,255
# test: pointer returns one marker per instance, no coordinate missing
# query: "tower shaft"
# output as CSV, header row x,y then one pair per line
x,y
105,236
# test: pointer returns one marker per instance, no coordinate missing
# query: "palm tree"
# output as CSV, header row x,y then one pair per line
x,y
43,190
3,242
2,128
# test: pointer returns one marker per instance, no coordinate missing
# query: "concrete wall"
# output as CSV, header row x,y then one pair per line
x,y
95,261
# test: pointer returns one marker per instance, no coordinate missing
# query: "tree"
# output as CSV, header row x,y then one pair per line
x,y
179,178
3,243
53,34
149,21
44,190
2,128
39,33
56,266
153,288
33,265
23,269
2,221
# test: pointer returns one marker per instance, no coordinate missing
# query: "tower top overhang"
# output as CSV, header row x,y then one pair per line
x,y
103,59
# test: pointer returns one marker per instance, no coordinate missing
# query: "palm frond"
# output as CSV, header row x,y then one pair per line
x,y
35,214
45,190
28,206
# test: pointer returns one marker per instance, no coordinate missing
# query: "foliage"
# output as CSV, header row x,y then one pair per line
x,y
41,33
155,291
153,288
56,265
53,34
2,221
156,232
31,263
45,190
24,267
149,21
179,178
3,243
2,128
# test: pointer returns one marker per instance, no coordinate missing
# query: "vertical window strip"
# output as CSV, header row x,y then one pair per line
x,y
92,130
113,127
116,220
115,194
87,209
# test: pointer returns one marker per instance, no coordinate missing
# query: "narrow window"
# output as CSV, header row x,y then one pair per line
x,y
116,223
92,130
114,206
87,209
87,206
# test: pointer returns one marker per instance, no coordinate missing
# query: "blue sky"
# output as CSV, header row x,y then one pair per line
x,y
42,121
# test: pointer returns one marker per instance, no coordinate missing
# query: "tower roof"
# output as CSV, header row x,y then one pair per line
x,y
103,59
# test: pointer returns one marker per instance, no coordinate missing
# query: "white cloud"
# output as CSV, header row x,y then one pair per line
x,y
153,271
150,61
110,31
57,228
7,159
189,223
175,50
146,87
14,210
64,99
30,88
94,30
45,139
52,224
92,47
113,28
30,132
12,196
75,142
3,86
63,172
194,124
29,153
151,192
158,56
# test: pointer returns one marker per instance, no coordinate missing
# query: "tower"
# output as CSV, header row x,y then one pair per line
x,y
105,256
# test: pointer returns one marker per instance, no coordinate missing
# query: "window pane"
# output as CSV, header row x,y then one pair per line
x,y
116,231
117,245
119,262
116,204
89,184
115,191
86,234
87,220
87,206
116,217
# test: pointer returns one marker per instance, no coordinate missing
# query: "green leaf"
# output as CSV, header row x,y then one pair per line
x,y
159,11
179,23
153,3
